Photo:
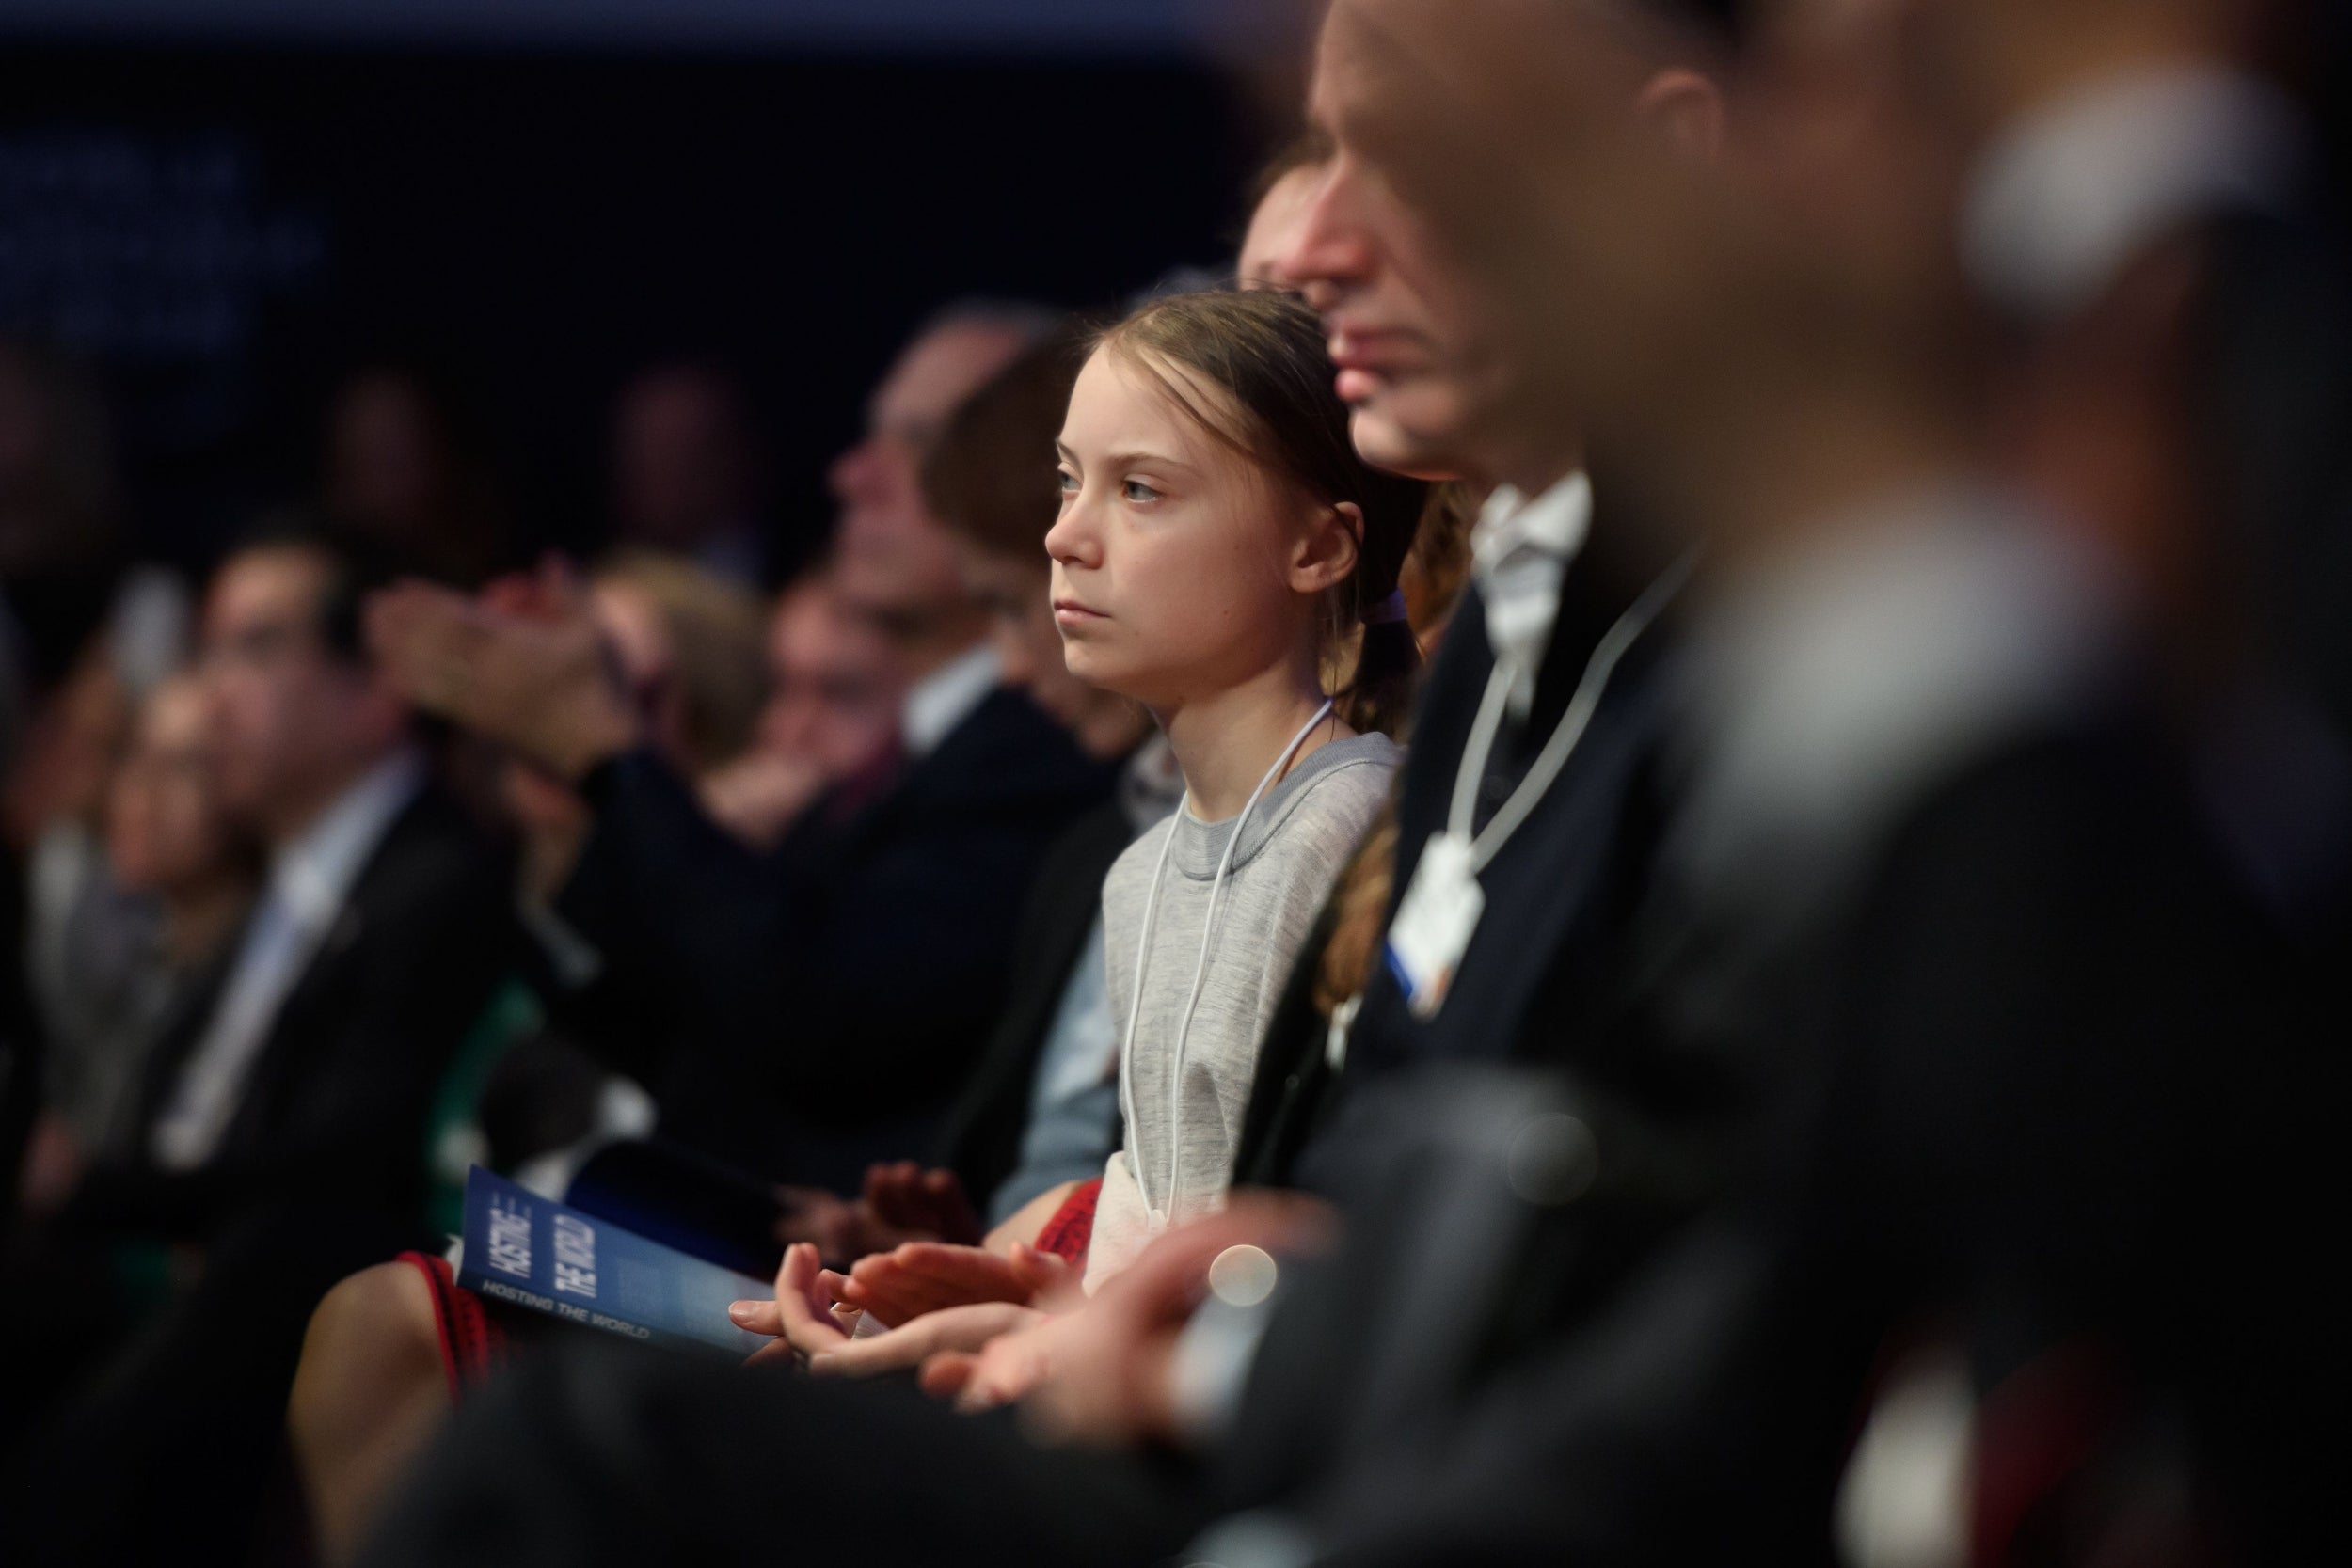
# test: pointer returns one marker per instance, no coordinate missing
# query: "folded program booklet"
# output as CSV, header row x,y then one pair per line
x,y
535,1253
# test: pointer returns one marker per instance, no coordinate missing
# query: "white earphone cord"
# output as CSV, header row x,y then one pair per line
x,y
1162,1215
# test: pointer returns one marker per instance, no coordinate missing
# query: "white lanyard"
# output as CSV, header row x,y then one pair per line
x,y
1476,750
1159,1217
1441,906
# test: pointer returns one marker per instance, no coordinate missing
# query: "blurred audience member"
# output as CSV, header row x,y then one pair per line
x,y
2143,213
1041,1110
407,465
686,473
727,953
1278,209
1041,1107
695,639
685,645
169,844
1437,573
1530,779
1953,998
60,515
830,721
278,1127
894,560
82,640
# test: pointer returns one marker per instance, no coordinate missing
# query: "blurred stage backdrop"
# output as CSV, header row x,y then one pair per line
x,y
228,204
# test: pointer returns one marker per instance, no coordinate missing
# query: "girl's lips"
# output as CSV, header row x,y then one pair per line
x,y
1069,612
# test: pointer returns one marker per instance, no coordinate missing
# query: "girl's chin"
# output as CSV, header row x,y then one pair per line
x,y
1101,674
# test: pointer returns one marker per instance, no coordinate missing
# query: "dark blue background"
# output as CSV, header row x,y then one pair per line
x,y
232,225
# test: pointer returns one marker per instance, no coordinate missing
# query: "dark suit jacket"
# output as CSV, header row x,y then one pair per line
x,y
1560,894
983,1140
336,1105
2042,1078
831,997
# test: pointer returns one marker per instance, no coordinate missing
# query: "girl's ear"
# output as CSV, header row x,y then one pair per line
x,y
1325,557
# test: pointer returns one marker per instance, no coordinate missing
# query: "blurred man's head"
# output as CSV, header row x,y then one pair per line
x,y
1427,354
892,558
833,682
990,477
684,469
389,464
1279,212
298,714
407,467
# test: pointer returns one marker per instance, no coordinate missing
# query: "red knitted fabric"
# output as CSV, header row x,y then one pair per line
x,y
473,1344
1071,1229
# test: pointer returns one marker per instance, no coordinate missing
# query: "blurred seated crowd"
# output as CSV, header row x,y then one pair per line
x,y
1641,853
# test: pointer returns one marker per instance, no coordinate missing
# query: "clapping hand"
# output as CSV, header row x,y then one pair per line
x,y
1102,1373
524,665
807,1325
920,1277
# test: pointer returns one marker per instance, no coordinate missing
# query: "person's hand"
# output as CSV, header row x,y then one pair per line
x,y
921,1205
760,794
801,1316
903,1284
957,1331
807,1326
834,1225
1105,1374
1001,1372
902,1203
525,666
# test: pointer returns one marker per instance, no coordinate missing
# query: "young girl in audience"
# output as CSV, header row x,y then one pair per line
x,y
1220,544
1223,557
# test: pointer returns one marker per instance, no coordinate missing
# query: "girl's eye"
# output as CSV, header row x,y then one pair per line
x,y
1137,490
1069,481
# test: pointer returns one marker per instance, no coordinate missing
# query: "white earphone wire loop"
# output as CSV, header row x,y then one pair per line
x,y
1164,1213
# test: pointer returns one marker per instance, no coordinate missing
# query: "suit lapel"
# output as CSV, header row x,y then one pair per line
x,y
280,1060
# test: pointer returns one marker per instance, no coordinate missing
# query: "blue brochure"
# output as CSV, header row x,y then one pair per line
x,y
525,1249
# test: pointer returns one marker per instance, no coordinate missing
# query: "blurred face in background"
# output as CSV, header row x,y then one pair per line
x,y
293,723
893,559
1017,592
1275,227
387,459
166,829
835,698
682,464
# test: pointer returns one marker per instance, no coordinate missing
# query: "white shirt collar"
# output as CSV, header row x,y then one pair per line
x,y
935,705
313,874
1521,551
1554,522
2066,195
